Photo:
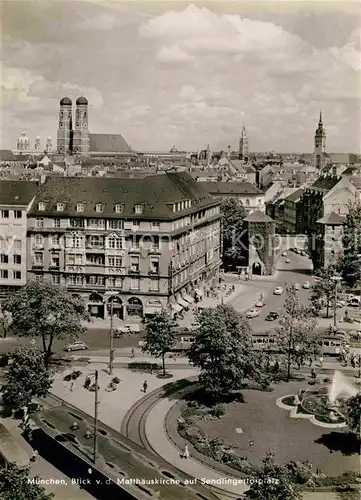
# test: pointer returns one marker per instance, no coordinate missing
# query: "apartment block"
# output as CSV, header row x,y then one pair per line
x,y
16,198
142,245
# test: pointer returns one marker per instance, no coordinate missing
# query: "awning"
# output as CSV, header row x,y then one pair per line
x,y
150,310
183,303
199,292
176,308
189,299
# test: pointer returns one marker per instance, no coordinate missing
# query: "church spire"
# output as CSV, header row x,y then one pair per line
x,y
320,120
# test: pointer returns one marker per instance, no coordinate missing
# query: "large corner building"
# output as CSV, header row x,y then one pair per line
x,y
151,244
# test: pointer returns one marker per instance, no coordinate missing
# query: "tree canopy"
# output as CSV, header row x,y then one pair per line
x,y
272,482
15,485
44,310
323,291
27,377
160,336
353,413
350,263
295,335
222,350
232,229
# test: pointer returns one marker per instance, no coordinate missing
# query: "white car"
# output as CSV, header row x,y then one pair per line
x,y
78,345
278,291
260,303
288,261
306,285
297,286
284,254
253,313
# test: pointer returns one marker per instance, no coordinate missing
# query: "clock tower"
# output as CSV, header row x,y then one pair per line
x,y
320,146
81,132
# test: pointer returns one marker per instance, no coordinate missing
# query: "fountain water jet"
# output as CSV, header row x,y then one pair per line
x,y
340,386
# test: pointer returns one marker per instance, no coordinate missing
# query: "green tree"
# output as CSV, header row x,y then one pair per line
x,y
232,230
15,485
349,264
160,336
223,351
272,482
353,413
26,377
323,291
296,333
47,311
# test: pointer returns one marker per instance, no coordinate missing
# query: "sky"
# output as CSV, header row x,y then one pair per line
x,y
186,74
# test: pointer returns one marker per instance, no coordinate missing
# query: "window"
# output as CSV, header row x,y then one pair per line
x,y
95,241
70,280
154,265
77,223
56,222
18,214
76,241
114,242
114,261
39,223
55,260
247,202
134,284
55,240
135,225
95,259
39,240
154,285
101,280
156,243
70,259
78,259
39,277
80,207
60,207
92,280
17,259
55,279
138,209
41,206
116,224
118,208
4,214
17,275
38,258
79,280
96,223
155,225
99,207
4,274
134,264
111,281
4,259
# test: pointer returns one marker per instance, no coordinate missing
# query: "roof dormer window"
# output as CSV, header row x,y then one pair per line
x,y
138,209
60,207
80,207
41,206
118,209
99,207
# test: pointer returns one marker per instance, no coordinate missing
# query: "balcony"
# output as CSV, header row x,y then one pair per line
x,y
54,267
153,272
95,248
133,271
38,265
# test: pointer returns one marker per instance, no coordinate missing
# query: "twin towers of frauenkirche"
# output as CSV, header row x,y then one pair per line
x,y
73,140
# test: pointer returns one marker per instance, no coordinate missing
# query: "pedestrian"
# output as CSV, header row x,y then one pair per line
x,y
313,374
251,443
186,452
133,353
310,362
34,455
145,386
346,315
321,361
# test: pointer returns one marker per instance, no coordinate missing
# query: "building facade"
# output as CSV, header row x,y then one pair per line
x,y
16,198
145,244
248,194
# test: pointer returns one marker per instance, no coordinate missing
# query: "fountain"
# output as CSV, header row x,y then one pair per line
x,y
321,406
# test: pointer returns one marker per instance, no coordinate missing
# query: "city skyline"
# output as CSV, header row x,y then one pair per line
x,y
164,73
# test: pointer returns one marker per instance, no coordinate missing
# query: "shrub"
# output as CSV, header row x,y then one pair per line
x,y
219,410
143,366
115,380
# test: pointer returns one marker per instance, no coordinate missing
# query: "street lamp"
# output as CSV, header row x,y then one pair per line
x,y
111,337
336,279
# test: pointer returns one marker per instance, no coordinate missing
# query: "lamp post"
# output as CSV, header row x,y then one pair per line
x,y
336,279
111,337
95,426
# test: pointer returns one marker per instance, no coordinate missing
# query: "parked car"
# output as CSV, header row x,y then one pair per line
x,y
288,261
284,254
297,286
278,291
272,316
252,313
296,250
306,285
354,302
303,253
78,345
316,279
260,303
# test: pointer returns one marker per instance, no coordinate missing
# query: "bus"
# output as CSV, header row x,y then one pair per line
x,y
11,451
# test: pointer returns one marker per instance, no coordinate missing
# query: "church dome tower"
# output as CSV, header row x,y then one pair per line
x,y
23,143
65,129
81,132
320,145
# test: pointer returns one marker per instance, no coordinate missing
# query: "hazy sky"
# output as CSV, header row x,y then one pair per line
x,y
185,74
